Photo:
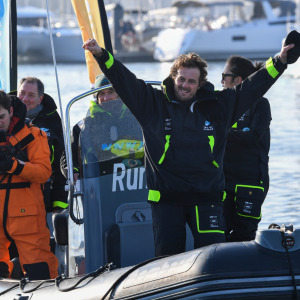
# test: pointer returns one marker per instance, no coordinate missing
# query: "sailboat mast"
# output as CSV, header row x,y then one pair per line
x,y
13,46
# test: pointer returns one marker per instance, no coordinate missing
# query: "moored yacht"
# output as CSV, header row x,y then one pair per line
x,y
250,28
34,42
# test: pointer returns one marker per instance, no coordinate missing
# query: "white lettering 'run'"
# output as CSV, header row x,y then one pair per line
x,y
133,178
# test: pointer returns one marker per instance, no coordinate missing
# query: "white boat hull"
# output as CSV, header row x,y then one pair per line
x,y
34,45
247,40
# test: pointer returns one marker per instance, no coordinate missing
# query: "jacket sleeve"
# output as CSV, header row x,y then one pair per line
x,y
58,195
243,96
259,125
138,96
38,168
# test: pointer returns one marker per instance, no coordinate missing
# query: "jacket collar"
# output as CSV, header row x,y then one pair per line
x,y
49,105
19,114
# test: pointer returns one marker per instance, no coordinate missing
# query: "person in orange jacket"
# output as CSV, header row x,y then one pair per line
x,y
24,168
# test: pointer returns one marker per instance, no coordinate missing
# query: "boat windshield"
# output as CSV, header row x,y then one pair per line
x,y
109,134
108,152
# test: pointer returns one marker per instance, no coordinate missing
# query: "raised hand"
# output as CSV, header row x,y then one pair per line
x,y
92,46
283,53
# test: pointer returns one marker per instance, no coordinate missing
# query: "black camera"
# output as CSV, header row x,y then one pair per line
x,y
3,135
5,150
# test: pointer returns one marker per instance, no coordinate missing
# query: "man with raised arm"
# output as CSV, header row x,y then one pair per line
x,y
185,127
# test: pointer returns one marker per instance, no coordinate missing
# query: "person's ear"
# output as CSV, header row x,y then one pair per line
x,y
238,80
11,111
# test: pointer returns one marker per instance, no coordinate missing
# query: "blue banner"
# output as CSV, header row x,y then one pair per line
x,y
4,45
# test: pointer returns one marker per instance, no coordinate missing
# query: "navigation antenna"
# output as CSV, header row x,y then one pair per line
x,y
57,84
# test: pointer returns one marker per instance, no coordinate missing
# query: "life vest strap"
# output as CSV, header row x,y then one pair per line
x,y
14,185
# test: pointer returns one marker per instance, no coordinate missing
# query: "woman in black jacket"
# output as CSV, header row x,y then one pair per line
x,y
246,158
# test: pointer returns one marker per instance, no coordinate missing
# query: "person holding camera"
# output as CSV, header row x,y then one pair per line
x,y
24,168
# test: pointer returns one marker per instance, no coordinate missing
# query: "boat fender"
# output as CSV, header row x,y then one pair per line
x,y
272,238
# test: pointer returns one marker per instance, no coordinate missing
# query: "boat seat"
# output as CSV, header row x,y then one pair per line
x,y
130,240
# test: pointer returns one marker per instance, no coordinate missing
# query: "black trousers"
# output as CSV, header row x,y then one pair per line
x,y
206,222
242,210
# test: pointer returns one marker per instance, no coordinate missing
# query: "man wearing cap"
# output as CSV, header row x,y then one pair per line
x,y
104,133
42,112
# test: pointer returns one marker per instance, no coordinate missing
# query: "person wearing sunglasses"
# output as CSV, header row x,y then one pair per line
x,y
246,157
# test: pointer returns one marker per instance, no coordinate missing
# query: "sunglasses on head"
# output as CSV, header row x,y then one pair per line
x,y
227,75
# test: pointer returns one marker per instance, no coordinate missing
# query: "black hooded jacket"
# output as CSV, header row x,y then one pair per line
x,y
247,151
49,120
184,145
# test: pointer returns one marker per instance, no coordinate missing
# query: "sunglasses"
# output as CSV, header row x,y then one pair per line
x,y
227,75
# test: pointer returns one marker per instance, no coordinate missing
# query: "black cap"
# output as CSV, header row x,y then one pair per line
x,y
294,53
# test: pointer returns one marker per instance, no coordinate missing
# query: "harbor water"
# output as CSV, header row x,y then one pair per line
x,y
282,205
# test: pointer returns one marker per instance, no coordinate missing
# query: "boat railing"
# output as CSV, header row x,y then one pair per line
x,y
74,192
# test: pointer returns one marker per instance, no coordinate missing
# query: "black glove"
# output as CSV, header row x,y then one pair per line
x,y
294,53
6,162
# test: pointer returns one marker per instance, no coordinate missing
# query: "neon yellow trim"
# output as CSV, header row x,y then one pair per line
x,y
215,164
167,144
165,89
249,186
75,169
211,142
250,216
60,204
51,113
234,125
52,156
110,61
205,231
224,195
154,196
270,68
96,108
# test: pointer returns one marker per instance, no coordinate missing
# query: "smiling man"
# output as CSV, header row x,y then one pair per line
x,y
185,127
42,112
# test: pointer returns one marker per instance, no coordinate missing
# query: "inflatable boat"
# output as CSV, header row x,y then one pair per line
x,y
104,241
266,268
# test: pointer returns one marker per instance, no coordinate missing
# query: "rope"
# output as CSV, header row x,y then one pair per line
x,y
290,264
94,274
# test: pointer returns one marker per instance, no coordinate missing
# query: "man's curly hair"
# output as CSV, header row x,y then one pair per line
x,y
190,60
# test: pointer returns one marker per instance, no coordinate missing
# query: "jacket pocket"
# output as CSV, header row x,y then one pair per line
x,y
210,219
22,220
248,201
